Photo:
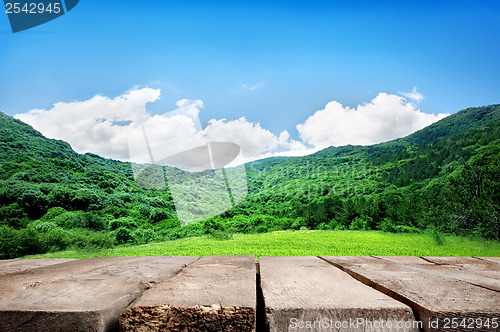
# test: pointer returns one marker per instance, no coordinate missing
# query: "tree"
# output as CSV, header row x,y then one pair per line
x,y
124,235
476,190
33,202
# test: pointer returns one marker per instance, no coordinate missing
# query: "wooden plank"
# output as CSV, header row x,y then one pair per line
x,y
356,259
216,293
458,261
412,260
21,265
438,294
81,295
472,270
490,259
468,269
308,294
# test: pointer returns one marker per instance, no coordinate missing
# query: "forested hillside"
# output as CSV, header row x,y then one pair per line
x,y
444,178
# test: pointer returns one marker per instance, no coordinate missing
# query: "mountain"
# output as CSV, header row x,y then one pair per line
x,y
19,140
461,122
443,177
421,156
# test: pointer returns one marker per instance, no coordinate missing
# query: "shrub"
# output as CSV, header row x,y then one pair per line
x,y
406,229
261,229
124,235
172,234
437,235
34,202
361,223
240,224
61,196
65,219
388,225
284,223
87,239
12,215
86,199
144,210
298,223
167,224
220,235
16,243
213,224
56,239
44,226
88,220
158,214
144,235
52,213
121,222
116,211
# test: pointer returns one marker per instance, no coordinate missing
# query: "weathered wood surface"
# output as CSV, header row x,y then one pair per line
x,y
223,293
411,260
477,272
440,295
81,295
306,291
472,262
216,293
21,265
490,259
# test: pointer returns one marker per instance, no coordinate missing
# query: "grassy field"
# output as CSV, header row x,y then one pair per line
x,y
304,243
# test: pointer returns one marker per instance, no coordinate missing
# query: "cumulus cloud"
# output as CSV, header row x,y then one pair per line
x,y
385,118
286,142
161,136
105,126
413,96
122,128
253,140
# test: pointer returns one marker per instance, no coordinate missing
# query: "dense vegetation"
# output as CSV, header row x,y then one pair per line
x,y
444,178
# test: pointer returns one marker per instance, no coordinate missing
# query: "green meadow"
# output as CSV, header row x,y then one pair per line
x,y
304,243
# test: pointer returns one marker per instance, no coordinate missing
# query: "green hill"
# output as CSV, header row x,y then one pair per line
x,y
443,178
448,181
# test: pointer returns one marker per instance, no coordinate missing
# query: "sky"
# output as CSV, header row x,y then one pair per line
x,y
275,77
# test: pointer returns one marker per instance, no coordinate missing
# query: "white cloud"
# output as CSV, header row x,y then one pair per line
x,y
162,136
253,87
414,95
253,140
286,142
104,126
385,118
122,128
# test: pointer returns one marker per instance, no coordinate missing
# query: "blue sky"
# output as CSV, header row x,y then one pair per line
x,y
272,62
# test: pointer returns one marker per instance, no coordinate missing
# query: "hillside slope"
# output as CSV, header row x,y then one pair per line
x,y
443,177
